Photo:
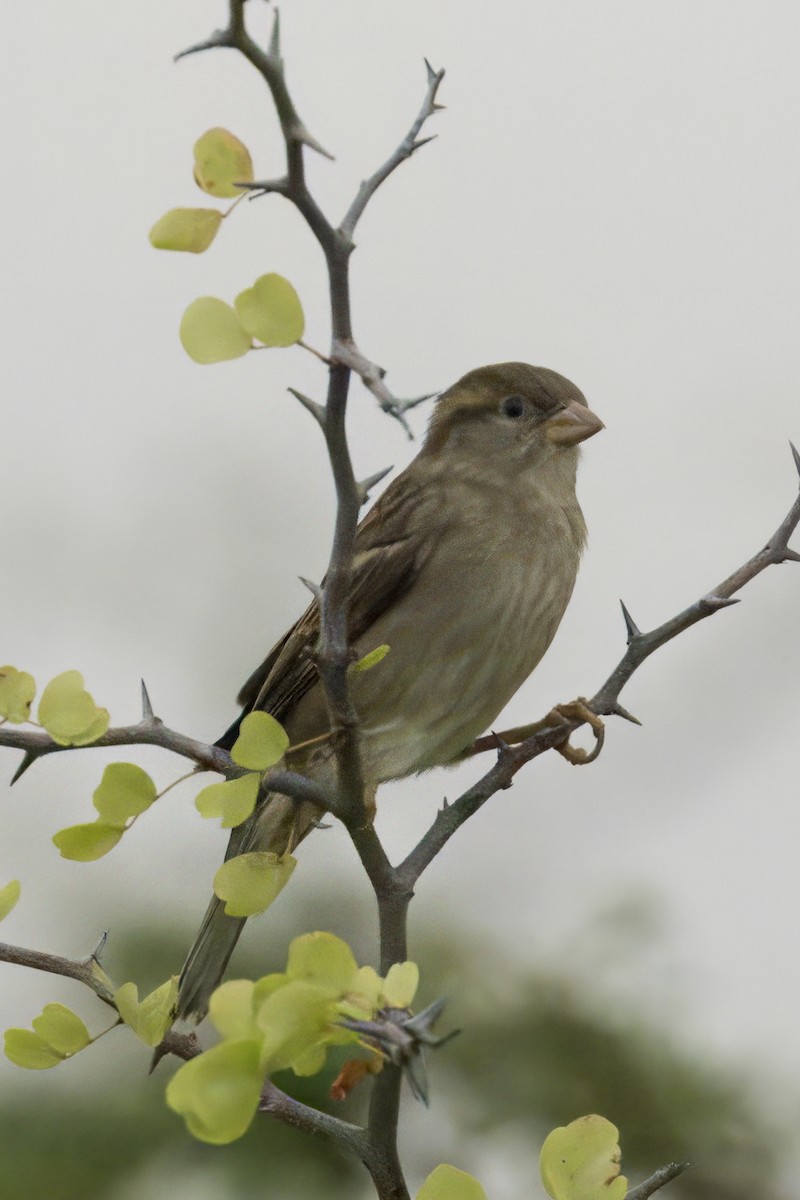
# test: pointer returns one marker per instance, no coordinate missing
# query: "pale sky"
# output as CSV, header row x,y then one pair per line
x,y
614,194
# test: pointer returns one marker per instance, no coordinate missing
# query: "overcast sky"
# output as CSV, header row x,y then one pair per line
x,y
614,194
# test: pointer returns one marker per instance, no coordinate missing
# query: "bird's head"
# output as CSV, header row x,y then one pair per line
x,y
527,413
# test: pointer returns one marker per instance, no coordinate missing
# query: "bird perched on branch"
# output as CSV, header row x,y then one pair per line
x,y
464,568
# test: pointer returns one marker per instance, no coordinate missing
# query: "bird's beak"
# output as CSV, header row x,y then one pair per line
x,y
573,424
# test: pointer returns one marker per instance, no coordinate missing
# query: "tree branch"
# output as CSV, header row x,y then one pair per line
x,y
657,1180
87,971
544,735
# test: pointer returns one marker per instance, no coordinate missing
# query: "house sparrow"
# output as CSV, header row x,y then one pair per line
x,y
464,568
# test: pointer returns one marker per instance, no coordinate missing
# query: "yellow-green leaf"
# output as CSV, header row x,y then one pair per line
x,y
62,1029
124,791
448,1183
324,960
233,800
369,660
580,1161
293,1019
68,712
220,162
250,882
217,1093
9,895
151,1018
86,843
400,986
17,689
261,742
210,331
232,1010
189,229
271,311
26,1049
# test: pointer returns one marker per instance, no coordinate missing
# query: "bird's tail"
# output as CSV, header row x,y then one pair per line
x,y
279,824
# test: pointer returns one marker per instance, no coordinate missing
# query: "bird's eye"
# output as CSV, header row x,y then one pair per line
x,y
514,407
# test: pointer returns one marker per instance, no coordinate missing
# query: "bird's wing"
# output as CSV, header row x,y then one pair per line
x,y
385,565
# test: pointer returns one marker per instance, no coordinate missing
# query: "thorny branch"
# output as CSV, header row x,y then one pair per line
x,y
657,1180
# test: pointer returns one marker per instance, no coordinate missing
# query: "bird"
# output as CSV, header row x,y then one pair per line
x,y
463,567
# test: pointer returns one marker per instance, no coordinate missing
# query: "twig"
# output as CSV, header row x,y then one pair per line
x,y
657,1180
511,758
87,970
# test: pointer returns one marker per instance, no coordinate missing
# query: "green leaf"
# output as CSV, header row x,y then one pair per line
x,y
210,331
151,1018
324,960
366,992
262,742
250,882
293,1020
217,1093
231,1008
233,800
271,311
125,791
189,229
580,1161
369,660
26,1049
9,895
68,712
17,689
448,1183
61,1029
86,843
220,162
400,986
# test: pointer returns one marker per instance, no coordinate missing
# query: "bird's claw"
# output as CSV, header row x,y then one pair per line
x,y
579,710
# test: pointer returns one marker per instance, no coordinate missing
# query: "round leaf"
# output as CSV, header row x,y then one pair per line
x,y
61,1029
233,800
68,712
217,1093
220,162
324,960
580,1161
9,895
271,311
250,882
124,791
261,742
400,986
189,229
17,689
210,331
151,1019
448,1183
86,843
231,1009
26,1049
293,1020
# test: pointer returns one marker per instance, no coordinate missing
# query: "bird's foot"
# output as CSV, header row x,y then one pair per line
x,y
579,710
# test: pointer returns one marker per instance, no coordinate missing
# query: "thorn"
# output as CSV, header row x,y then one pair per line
x,y
147,707
619,711
275,40
438,107
27,761
301,134
795,456
716,602
790,555
404,405
317,410
420,142
500,744
99,948
314,588
365,486
631,627
433,76
421,1024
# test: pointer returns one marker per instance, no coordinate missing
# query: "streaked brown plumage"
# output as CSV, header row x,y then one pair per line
x,y
464,567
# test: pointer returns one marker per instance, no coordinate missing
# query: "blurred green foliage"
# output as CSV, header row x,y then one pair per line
x,y
536,1051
